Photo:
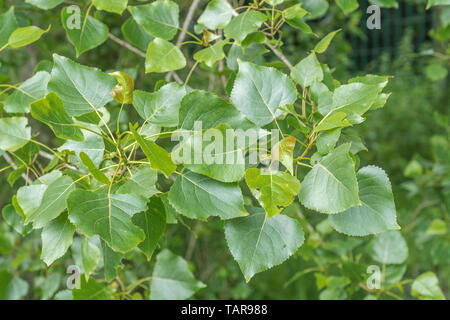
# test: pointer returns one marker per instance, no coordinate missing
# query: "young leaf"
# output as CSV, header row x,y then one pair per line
x,y
24,36
159,158
355,98
258,243
162,56
294,17
307,71
274,190
89,35
50,110
14,133
114,6
123,91
212,54
347,6
74,84
243,24
96,173
153,222
212,198
32,89
426,286
57,237
377,212
159,18
388,248
160,107
217,14
331,185
323,44
258,92
336,120
283,152
109,217
172,279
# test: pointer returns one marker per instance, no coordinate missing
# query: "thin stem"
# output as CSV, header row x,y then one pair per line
x,y
190,73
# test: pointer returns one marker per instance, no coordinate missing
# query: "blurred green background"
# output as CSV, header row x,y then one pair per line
x,y
408,138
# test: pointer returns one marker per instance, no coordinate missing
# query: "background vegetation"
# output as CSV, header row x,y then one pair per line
x,y
408,138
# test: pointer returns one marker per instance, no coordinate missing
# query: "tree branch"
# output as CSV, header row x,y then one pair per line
x,y
126,45
280,55
14,166
182,35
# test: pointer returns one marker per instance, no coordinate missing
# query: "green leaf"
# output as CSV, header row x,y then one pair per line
x,y
141,183
50,110
323,44
92,145
12,287
377,212
159,158
96,173
25,36
92,290
215,154
111,261
355,98
162,56
153,222
217,14
294,17
159,18
274,2
307,71
14,220
90,256
45,4
199,197
8,24
432,3
74,84
258,243
90,35
331,185
57,237
385,3
436,72
52,204
123,91
211,111
388,248
274,190
109,217
258,92
14,133
327,140
426,287
114,6
212,54
172,279
347,6
136,34
32,89
243,24
160,107
336,120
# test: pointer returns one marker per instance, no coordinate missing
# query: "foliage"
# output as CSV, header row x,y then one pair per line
x,y
107,188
